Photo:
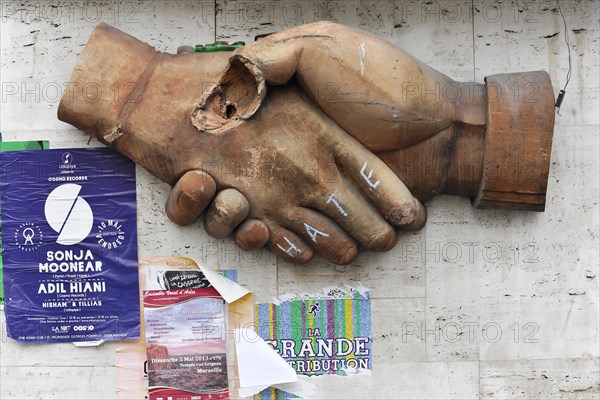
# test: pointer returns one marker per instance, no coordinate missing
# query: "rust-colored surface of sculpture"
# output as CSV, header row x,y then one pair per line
x,y
320,138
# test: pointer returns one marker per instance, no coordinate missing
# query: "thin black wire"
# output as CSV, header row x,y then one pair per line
x,y
567,41
216,9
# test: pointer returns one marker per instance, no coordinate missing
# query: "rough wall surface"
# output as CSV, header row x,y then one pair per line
x,y
478,304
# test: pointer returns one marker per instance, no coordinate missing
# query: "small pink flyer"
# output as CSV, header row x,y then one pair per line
x,y
185,342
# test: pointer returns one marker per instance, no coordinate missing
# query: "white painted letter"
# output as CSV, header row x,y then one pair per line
x,y
368,176
293,247
332,199
313,232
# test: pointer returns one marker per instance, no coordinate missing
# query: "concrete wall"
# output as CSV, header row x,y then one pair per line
x,y
520,288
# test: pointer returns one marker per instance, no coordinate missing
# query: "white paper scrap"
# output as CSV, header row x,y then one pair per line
x,y
259,366
229,290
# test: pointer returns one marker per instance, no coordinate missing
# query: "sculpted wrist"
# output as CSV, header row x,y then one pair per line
x,y
104,82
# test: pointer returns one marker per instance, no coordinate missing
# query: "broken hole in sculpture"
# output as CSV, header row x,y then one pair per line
x,y
230,111
223,106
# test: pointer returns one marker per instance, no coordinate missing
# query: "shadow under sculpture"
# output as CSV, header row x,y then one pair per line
x,y
318,139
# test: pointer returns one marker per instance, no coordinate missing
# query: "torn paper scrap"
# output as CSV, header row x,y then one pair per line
x,y
258,365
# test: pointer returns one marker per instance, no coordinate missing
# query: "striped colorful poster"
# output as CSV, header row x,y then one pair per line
x,y
320,334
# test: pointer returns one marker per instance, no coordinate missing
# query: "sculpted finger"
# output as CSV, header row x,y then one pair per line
x,y
189,197
344,205
324,235
227,211
276,56
388,194
288,246
252,234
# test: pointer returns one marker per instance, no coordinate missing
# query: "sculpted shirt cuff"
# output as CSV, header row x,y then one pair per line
x,y
520,124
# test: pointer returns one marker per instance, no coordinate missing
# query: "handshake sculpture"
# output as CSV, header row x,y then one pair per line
x,y
317,139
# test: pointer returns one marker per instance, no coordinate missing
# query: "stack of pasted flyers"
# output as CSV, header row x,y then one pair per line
x,y
185,341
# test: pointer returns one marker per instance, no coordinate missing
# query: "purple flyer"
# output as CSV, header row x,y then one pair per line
x,y
70,245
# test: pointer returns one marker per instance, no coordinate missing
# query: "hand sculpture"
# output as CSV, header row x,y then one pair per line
x,y
453,144
275,161
491,142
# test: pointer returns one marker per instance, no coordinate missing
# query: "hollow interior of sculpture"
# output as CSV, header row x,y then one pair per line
x,y
235,98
